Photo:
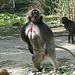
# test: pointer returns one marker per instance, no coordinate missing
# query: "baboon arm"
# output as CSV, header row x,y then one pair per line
x,y
25,38
23,35
29,46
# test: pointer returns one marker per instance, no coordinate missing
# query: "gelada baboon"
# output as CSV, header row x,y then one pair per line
x,y
4,72
70,26
40,39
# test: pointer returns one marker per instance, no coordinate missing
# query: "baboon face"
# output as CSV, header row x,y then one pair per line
x,y
64,20
35,17
35,13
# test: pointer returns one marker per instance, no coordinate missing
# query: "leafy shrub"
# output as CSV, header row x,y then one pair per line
x,y
52,20
7,19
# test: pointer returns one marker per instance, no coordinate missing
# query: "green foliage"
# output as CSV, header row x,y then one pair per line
x,y
8,19
51,20
49,6
23,1
47,11
64,7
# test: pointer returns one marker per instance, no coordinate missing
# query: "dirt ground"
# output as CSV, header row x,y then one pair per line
x,y
14,55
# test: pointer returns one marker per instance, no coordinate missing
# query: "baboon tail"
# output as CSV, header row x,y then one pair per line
x,y
66,50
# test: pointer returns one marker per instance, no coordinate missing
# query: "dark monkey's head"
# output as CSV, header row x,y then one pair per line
x,y
35,16
65,20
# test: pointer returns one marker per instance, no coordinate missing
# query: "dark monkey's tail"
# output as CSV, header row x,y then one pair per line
x,y
66,50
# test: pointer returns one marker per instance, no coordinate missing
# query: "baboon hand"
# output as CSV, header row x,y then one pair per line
x,y
29,46
31,51
45,48
46,51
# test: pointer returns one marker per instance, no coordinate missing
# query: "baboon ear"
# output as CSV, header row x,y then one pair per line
x,y
29,18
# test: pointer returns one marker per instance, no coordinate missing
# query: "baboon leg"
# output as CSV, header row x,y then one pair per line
x,y
69,38
52,57
72,39
36,61
54,62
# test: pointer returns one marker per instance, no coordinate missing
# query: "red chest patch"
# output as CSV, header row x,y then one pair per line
x,y
32,30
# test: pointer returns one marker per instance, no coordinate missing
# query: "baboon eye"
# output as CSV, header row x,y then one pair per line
x,y
33,11
36,11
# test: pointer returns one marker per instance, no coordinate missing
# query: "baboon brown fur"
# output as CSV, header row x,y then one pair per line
x,y
4,72
40,40
70,26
